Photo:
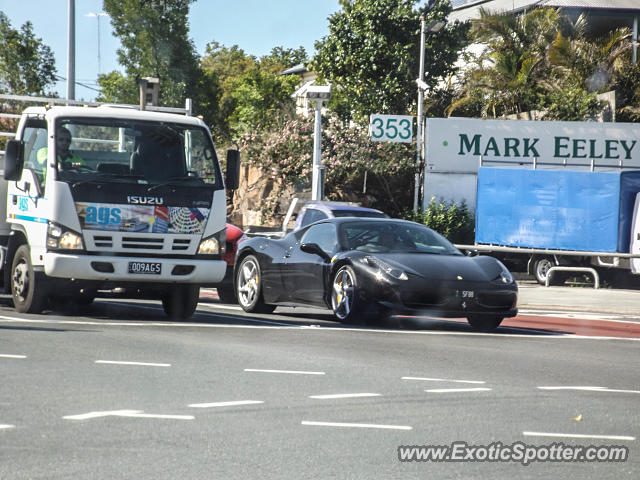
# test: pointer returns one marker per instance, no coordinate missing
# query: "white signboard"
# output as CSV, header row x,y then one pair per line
x,y
458,144
391,128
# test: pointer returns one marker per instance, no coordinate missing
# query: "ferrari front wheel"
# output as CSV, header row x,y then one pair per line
x,y
344,296
485,323
249,287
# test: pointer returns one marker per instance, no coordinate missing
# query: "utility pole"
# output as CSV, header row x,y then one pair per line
x,y
71,52
416,193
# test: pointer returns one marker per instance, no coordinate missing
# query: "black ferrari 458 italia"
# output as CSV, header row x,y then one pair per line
x,y
365,268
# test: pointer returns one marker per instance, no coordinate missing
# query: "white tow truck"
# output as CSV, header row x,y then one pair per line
x,y
136,207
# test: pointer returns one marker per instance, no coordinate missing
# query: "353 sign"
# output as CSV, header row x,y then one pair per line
x,y
391,128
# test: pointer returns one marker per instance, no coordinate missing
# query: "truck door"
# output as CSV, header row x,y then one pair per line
x,y
635,236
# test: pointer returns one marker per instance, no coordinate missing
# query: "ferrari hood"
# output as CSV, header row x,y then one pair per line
x,y
445,267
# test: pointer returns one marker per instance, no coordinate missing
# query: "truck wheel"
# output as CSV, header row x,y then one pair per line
x,y
227,294
28,288
541,268
179,303
485,323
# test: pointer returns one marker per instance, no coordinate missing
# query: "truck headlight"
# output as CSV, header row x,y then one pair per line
x,y
209,246
60,238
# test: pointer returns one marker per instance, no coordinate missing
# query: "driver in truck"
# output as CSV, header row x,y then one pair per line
x,y
66,158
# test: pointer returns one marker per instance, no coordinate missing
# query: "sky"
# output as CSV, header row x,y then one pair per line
x,y
256,26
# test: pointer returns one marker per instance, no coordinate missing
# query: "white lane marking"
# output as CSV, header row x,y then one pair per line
x,y
356,425
6,355
222,307
442,380
126,413
6,426
225,404
296,372
342,330
141,364
457,390
90,415
576,435
591,389
344,395
154,415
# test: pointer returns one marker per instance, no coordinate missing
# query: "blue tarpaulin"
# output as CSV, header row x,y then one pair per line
x,y
556,209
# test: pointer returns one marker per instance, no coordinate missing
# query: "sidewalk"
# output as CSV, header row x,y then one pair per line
x,y
606,300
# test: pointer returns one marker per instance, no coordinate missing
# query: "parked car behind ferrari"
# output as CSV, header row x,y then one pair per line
x,y
363,268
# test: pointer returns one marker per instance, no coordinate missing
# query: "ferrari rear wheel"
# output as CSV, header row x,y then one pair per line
x,y
249,287
344,297
485,323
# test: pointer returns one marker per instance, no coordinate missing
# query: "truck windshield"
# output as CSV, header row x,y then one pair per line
x,y
112,150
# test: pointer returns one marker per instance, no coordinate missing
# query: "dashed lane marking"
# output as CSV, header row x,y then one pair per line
x,y
141,364
590,389
344,395
126,413
442,380
295,372
6,355
457,390
576,435
356,425
226,404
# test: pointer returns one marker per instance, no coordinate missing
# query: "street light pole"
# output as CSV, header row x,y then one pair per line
x,y
71,52
416,193
97,15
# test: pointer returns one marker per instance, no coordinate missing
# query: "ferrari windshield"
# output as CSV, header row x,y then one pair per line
x,y
116,150
395,237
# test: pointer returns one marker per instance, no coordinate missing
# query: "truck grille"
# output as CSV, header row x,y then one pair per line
x,y
125,242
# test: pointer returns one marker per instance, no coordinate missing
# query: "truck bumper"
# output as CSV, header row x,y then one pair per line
x,y
116,269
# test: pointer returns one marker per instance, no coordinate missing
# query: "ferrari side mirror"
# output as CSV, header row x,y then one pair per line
x,y
315,249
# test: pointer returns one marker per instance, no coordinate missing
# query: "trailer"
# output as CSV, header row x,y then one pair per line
x,y
557,222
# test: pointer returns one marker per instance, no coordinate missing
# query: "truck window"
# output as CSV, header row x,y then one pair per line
x,y
113,150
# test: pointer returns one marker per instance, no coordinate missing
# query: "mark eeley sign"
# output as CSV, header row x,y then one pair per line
x,y
456,144
141,218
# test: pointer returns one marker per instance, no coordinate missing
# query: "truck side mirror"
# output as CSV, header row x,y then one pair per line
x,y
13,160
232,179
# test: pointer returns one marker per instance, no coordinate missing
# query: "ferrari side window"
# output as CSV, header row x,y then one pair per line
x,y
324,235
312,215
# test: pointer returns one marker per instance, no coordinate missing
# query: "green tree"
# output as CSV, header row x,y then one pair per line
x,y
155,43
27,66
252,93
372,55
260,99
539,60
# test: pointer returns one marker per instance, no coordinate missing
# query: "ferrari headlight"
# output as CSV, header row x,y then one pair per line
x,y
209,246
506,277
59,237
386,268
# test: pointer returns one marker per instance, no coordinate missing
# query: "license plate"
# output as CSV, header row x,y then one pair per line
x,y
145,268
467,294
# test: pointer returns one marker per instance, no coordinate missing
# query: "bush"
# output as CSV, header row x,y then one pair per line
x,y
375,174
452,220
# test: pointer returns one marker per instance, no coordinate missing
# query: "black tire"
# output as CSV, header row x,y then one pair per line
x,y
28,288
180,302
227,294
249,286
485,323
345,298
541,268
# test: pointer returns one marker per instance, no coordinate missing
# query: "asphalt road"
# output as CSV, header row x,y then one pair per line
x,y
117,391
